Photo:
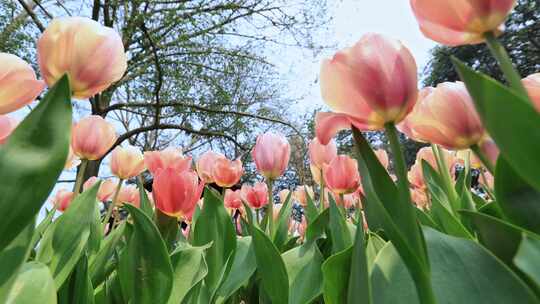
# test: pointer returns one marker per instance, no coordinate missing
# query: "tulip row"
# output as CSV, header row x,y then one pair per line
x,y
379,232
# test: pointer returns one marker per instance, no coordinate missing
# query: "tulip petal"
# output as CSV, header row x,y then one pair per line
x,y
328,124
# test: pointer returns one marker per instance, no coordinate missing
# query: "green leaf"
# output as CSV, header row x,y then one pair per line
x,y
146,206
336,270
374,244
359,290
168,227
34,281
316,229
145,269
527,258
311,211
80,288
495,103
303,265
518,201
461,272
281,232
339,233
271,267
99,263
65,241
96,233
189,269
243,267
214,225
42,227
426,219
32,159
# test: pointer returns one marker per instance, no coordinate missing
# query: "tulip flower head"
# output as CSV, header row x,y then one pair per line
x,y
129,194
7,126
127,162
460,22
301,193
226,173
92,55
271,155
256,196
92,137
18,83
341,175
63,199
205,165
106,189
233,199
532,85
368,85
176,193
167,158
320,154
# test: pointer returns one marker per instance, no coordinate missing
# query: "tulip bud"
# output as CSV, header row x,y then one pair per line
x,y
232,199
341,175
106,189
92,137
368,85
301,196
271,155
63,199
205,165
18,83
226,173
460,22
320,154
168,158
129,194
532,85
91,54
256,196
176,193
446,116
127,162
7,126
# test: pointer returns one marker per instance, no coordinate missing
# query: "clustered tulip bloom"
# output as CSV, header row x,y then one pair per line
x,y
129,194
18,83
92,137
127,162
233,199
532,85
320,154
341,175
92,55
167,158
271,155
446,116
459,22
176,193
368,85
7,125
106,189
256,196
205,165
227,173
63,199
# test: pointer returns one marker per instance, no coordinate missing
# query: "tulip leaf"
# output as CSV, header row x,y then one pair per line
x,y
32,159
303,265
168,227
145,270
374,244
146,206
270,267
311,211
65,241
215,226
189,269
96,233
34,281
316,229
42,227
339,233
281,232
243,267
98,263
336,270
78,288
527,258
518,201
520,143
359,289
462,271
426,219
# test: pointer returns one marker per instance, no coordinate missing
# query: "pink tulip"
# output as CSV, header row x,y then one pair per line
x,y
341,175
348,201
106,189
205,165
489,149
256,196
92,137
63,199
227,173
419,197
532,85
91,54
233,199
459,22
18,83
320,154
446,116
129,194
127,162
383,157
168,158
7,126
316,174
368,85
416,175
301,196
176,193
271,155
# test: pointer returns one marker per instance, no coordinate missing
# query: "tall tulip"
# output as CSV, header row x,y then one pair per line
x,y
18,83
532,85
271,155
226,173
341,175
7,125
167,158
129,194
63,199
92,55
320,154
459,22
127,162
256,196
368,85
205,165
106,189
176,193
233,199
92,137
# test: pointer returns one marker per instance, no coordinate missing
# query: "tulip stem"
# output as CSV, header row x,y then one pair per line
x,y
321,203
270,215
510,73
400,168
113,203
80,176
483,158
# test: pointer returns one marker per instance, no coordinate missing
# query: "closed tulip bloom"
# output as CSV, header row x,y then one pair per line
x,y
341,175
92,55
233,199
92,137
256,196
226,173
416,175
446,116
127,162
459,22
176,193
106,189
7,125
18,83
168,158
532,85
300,194
63,199
129,194
271,154
383,157
368,85
320,154
205,165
